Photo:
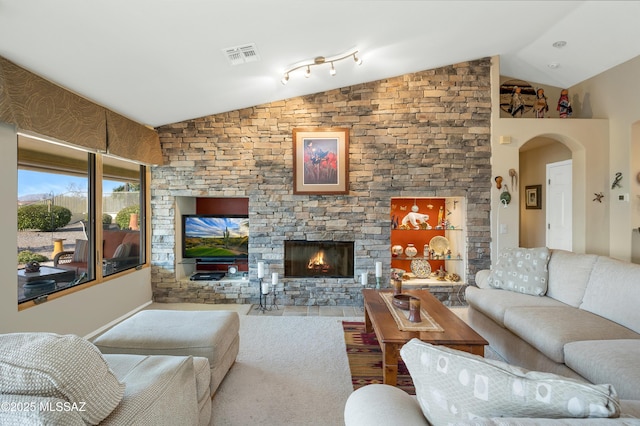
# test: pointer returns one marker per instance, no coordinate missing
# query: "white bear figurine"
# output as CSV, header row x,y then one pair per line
x,y
414,218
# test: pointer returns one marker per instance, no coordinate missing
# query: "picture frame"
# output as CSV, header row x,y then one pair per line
x,y
321,160
533,196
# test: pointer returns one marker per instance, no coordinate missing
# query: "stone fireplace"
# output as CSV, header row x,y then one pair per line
x,y
318,259
425,134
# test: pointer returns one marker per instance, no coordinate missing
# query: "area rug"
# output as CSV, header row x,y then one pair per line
x,y
365,358
291,370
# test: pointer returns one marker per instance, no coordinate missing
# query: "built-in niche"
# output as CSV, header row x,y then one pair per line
x,y
428,240
220,206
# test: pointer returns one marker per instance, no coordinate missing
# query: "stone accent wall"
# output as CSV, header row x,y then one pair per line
x,y
419,135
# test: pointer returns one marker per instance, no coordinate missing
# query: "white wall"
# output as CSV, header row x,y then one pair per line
x,y
615,94
588,141
79,313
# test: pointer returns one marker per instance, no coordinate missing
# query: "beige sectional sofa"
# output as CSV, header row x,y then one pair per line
x,y
586,325
52,379
555,313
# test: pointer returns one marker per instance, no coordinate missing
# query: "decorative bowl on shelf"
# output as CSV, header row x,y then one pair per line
x,y
397,250
402,301
439,245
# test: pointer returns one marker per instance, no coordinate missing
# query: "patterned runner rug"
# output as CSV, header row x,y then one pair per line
x,y
365,358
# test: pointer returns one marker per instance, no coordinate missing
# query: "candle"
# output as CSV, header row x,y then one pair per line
x,y
378,269
265,288
260,269
274,278
363,278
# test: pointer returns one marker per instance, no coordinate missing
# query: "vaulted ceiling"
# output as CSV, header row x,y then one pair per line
x,y
164,61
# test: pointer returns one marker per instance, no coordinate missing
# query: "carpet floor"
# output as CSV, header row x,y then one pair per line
x,y
290,370
365,358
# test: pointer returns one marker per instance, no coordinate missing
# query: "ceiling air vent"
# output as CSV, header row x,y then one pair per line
x,y
242,54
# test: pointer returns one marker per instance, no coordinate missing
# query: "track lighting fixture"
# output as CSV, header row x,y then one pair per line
x,y
320,60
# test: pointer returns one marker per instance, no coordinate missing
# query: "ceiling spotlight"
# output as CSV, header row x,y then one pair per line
x,y
559,44
554,65
318,61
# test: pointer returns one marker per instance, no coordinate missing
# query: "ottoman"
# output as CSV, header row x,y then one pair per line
x,y
210,334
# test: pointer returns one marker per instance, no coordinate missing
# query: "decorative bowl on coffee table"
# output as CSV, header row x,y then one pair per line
x,y
402,301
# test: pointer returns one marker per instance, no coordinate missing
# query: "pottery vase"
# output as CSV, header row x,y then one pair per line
x,y
411,251
414,310
397,250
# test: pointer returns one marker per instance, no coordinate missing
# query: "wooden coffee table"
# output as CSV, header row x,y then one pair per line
x,y
377,317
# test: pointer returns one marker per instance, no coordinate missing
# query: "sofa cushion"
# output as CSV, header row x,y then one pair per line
x,y
454,386
607,361
66,367
549,329
110,242
133,239
521,270
613,292
160,390
568,276
482,278
494,302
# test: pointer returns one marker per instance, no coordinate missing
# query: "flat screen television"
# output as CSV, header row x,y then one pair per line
x,y
215,237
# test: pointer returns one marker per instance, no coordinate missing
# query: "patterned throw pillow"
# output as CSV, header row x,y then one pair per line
x,y
522,270
454,386
122,250
66,367
81,252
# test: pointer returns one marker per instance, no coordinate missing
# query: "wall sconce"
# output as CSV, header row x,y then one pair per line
x,y
321,60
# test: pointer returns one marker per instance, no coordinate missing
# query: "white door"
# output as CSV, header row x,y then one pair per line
x,y
559,205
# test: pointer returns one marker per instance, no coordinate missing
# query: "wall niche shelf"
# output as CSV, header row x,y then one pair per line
x,y
434,224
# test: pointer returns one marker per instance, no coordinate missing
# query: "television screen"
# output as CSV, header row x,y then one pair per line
x,y
215,237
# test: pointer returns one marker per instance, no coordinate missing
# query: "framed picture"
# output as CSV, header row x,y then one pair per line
x,y
320,161
533,196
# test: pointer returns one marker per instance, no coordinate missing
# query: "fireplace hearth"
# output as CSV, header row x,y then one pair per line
x,y
314,259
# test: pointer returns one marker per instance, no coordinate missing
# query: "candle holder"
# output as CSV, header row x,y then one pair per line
x,y
274,304
263,299
378,282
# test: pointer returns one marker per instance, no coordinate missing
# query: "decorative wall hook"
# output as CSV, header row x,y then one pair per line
x,y
616,181
505,196
599,197
498,180
514,179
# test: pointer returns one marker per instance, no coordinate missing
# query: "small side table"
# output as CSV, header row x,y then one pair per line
x,y
45,273
57,247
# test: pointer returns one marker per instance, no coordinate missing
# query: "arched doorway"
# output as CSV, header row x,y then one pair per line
x,y
635,192
535,155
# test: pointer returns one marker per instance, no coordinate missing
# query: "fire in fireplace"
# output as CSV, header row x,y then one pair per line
x,y
328,259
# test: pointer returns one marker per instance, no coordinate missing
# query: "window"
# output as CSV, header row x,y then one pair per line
x,y
61,216
121,215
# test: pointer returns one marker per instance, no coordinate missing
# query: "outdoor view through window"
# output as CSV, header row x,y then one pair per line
x,y
56,239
